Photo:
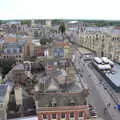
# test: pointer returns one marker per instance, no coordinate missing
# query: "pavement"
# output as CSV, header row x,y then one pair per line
x,y
99,97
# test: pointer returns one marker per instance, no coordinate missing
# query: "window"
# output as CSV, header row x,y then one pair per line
x,y
80,114
1,106
54,116
15,50
44,116
63,115
71,115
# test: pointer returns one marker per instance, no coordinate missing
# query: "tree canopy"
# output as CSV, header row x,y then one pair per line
x,y
28,22
44,41
62,28
6,65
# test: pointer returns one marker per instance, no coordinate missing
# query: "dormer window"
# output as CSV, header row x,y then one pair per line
x,y
72,102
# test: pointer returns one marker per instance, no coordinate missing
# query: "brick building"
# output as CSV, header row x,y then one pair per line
x,y
62,106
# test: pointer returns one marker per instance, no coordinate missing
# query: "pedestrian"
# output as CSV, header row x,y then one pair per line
x,y
115,107
109,104
105,109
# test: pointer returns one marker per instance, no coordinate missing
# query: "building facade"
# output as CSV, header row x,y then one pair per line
x,y
101,42
4,98
60,49
67,111
62,97
13,51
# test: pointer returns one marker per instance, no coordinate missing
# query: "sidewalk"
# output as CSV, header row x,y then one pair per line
x,y
115,114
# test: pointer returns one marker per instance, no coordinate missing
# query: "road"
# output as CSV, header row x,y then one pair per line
x,y
94,98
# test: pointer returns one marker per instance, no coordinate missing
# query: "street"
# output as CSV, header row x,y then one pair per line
x,y
94,98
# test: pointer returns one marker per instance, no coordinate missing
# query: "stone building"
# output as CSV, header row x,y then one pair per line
x,y
62,106
101,42
62,97
60,49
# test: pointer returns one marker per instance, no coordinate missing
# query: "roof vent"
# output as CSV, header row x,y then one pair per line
x,y
53,103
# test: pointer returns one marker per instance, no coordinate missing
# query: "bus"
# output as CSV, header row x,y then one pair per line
x,y
107,61
100,64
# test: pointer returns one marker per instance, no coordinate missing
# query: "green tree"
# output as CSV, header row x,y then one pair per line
x,y
28,22
43,41
50,40
6,65
0,22
62,28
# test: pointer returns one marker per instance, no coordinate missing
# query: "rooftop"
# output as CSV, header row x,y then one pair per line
x,y
84,50
19,67
61,99
36,42
12,45
115,76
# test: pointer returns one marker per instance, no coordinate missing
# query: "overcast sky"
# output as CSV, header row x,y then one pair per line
x,y
50,9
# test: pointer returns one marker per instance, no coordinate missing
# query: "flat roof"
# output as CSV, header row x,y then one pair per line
x,y
115,78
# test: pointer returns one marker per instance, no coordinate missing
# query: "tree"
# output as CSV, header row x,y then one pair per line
x,y
6,65
43,41
28,22
62,28
50,40
0,22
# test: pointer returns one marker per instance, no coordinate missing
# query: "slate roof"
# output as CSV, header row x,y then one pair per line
x,y
61,99
19,67
11,45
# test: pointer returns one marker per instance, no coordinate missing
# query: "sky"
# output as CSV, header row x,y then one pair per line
x,y
60,9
